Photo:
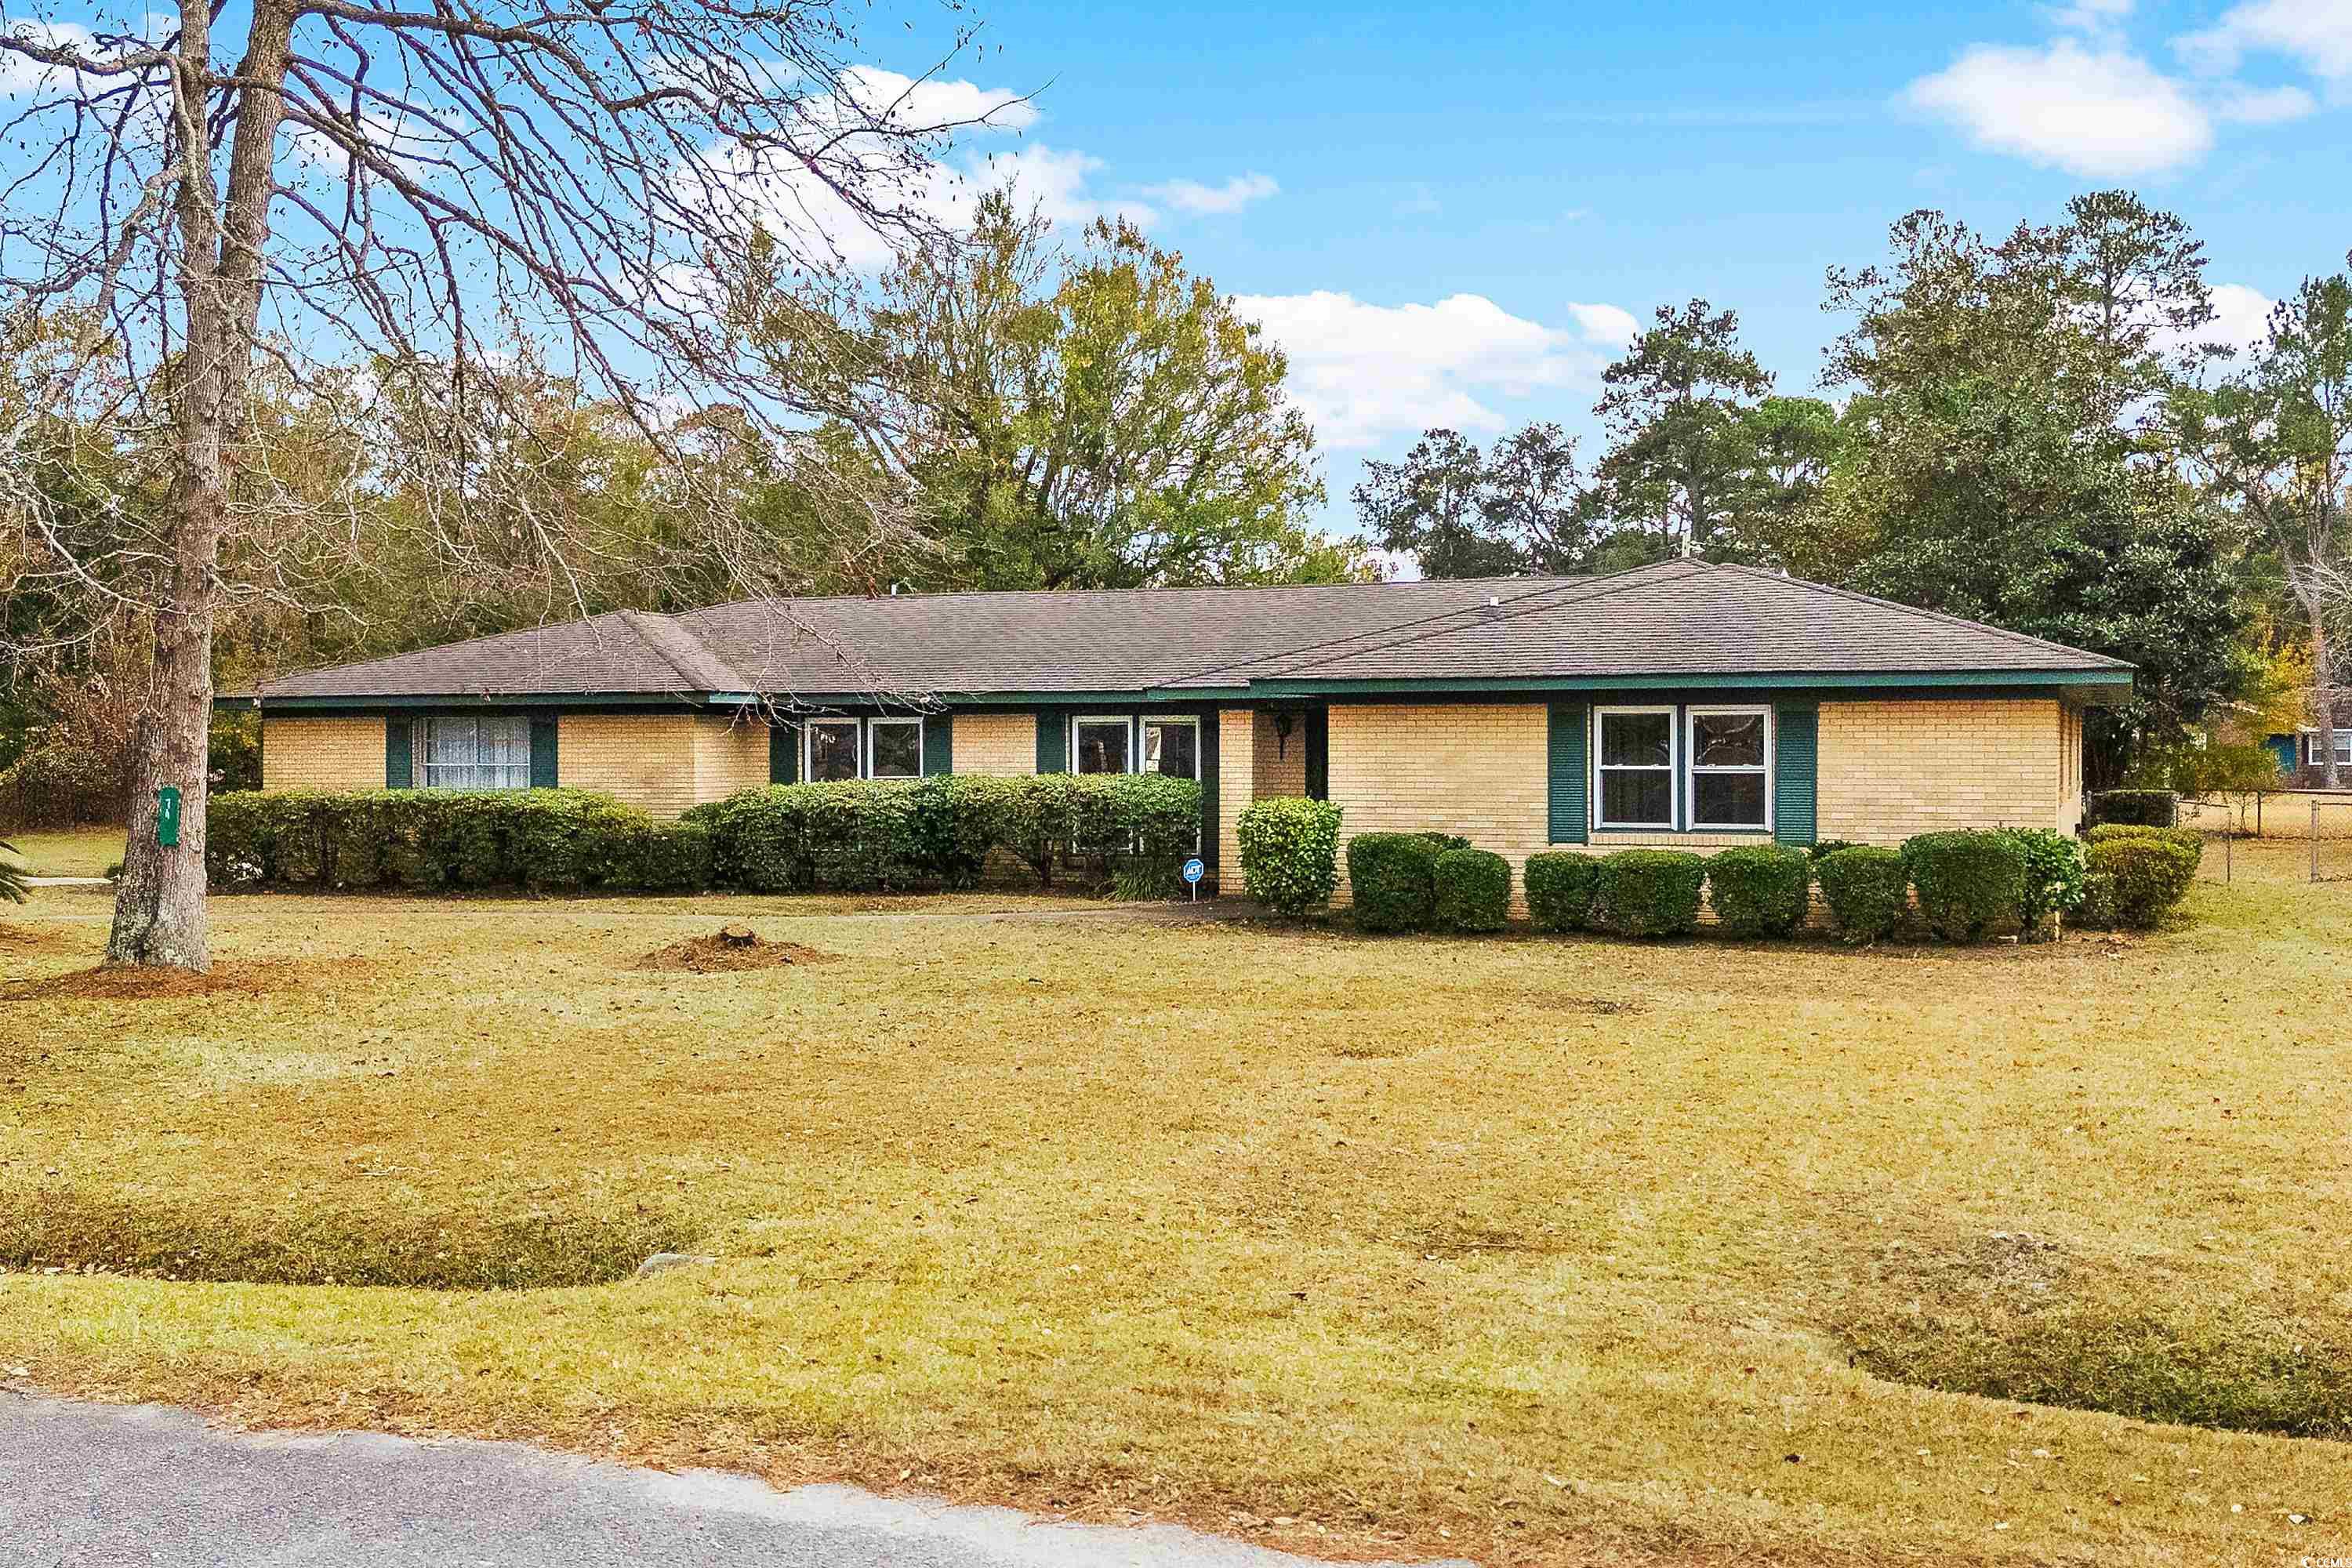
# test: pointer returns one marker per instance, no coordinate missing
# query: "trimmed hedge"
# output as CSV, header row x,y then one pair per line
x,y
2140,807
2097,909
1290,853
2054,868
1969,882
1649,892
1866,888
1823,848
1392,876
860,837
2188,838
1474,890
1759,889
2147,876
1559,884
541,840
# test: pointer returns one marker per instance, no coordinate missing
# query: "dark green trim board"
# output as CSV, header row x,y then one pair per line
x,y
543,770
783,754
1796,773
939,742
1211,742
1053,740
1564,741
1319,754
399,754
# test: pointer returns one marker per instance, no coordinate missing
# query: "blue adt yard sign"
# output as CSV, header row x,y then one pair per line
x,y
167,817
1194,872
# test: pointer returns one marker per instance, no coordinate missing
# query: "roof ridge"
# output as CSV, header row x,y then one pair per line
x,y
1615,581
1552,585
261,686
1075,593
1944,616
697,662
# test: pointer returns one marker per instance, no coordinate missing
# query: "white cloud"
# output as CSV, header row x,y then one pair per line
x,y
2241,316
922,104
1365,372
1606,324
2102,113
2100,17
2263,106
1192,197
2315,33
19,74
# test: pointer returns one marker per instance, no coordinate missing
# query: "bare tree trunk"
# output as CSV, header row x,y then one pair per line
x,y
2324,695
159,915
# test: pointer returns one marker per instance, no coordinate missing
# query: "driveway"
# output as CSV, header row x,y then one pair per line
x,y
91,1484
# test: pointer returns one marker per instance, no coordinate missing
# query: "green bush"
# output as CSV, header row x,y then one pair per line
x,y
1648,892
2054,868
1969,882
1759,889
1445,841
2149,875
420,840
1559,888
1474,890
1392,878
2097,909
662,857
2142,807
2188,838
1823,848
1866,889
1290,853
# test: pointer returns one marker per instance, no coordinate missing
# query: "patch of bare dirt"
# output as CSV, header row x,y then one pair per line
x,y
32,939
129,983
729,949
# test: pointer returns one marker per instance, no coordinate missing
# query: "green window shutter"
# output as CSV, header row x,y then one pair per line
x,y
1052,743
1795,774
1319,754
399,754
783,754
939,743
1566,745
542,754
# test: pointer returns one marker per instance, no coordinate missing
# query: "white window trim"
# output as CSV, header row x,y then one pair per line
x,y
1674,769
1192,721
1134,741
1691,716
808,748
874,724
2311,757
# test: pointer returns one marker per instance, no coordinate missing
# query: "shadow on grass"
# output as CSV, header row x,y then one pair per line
x,y
48,1229
2009,1316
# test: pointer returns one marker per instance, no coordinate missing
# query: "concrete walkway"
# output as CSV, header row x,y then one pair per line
x,y
94,1485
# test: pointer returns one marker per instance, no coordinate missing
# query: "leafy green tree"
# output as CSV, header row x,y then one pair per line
x,y
1682,452
2275,441
2002,465
1525,506
1095,420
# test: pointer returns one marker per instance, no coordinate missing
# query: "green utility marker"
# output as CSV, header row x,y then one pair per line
x,y
167,817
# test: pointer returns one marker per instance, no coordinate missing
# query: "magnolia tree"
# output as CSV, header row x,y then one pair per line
x,y
324,207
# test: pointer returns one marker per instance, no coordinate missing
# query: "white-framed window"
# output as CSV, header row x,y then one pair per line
x,y
894,748
1730,752
1633,758
1171,747
476,752
831,751
1099,745
2314,758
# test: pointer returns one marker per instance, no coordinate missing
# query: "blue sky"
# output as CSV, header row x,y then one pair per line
x,y
1554,171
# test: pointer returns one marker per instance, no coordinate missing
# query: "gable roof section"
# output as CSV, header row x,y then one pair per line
x,y
1678,620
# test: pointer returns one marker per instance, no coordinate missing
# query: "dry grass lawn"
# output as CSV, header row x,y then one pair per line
x,y
84,852
1528,1250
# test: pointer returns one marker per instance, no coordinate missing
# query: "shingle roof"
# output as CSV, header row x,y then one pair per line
x,y
1680,618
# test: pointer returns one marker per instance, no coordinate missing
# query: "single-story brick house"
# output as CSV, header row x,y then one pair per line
x,y
1682,704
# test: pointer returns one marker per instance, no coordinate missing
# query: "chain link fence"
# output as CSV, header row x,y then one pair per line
x,y
2273,836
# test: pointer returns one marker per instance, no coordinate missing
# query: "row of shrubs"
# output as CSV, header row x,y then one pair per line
x,y
1127,831
1965,885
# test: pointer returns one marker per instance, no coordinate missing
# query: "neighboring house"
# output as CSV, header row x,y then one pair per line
x,y
1681,704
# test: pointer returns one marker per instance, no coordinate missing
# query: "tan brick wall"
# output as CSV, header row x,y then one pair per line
x,y
1236,787
1889,769
646,759
999,744
322,754
730,755
1479,770
1281,762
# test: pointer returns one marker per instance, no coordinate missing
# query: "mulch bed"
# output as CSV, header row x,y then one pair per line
x,y
725,952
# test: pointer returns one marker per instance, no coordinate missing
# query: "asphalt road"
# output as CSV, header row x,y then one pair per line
x,y
95,1485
